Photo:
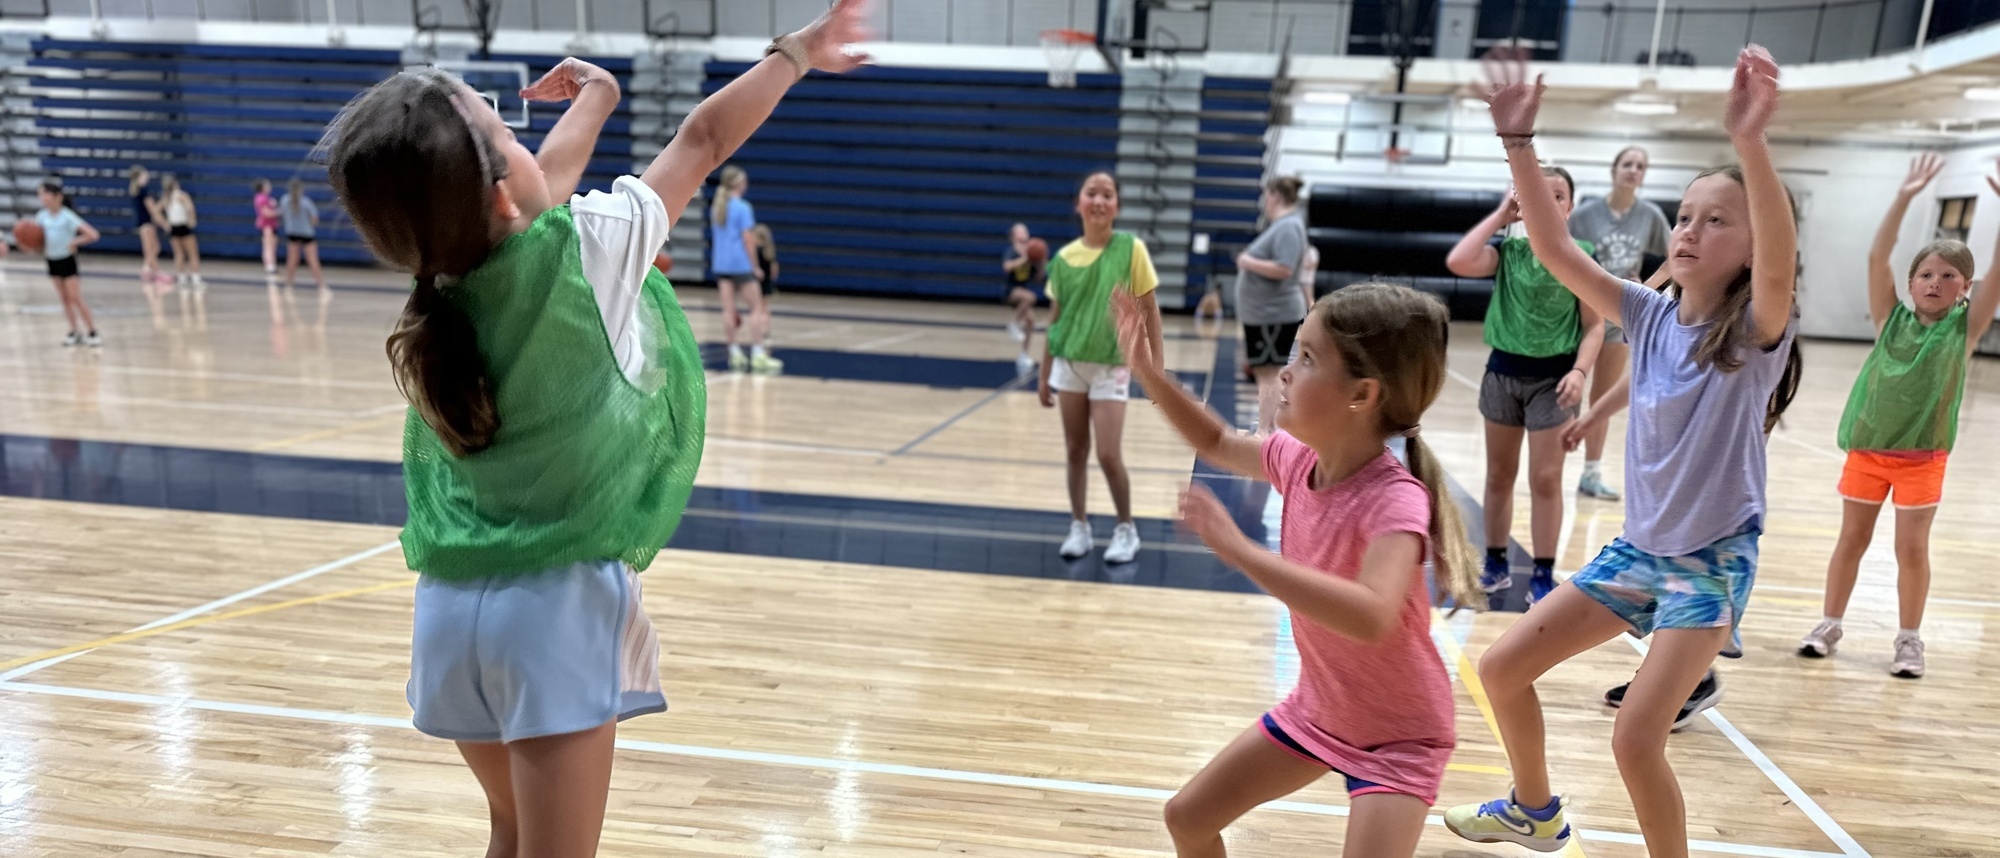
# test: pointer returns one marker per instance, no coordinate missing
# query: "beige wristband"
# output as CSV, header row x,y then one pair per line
x,y
790,46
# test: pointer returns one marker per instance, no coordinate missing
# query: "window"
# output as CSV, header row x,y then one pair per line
x,y
1955,217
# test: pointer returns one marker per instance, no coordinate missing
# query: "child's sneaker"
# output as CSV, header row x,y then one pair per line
x,y
1821,641
1503,821
1592,486
738,361
74,339
1541,584
1706,694
1079,542
1496,577
1909,663
92,341
764,364
1124,543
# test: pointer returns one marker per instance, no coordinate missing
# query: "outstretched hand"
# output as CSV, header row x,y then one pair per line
x,y
829,41
566,81
1923,169
1509,95
1135,338
1753,95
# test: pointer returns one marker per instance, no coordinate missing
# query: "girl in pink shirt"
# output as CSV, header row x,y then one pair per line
x,y
1373,701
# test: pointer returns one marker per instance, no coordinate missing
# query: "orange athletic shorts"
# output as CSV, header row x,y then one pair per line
x,y
1917,477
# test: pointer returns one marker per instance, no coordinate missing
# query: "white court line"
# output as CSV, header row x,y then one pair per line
x,y
1777,776
218,604
204,406
826,764
890,340
228,376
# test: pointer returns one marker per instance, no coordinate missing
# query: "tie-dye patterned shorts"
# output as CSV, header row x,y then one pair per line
x,y
1704,590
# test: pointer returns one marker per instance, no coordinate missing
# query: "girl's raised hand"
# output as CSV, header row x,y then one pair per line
x,y
829,41
566,81
1134,337
1509,95
1923,169
1753,96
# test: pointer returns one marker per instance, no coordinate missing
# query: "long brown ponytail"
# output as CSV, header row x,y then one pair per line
x,y
418,180
1397,335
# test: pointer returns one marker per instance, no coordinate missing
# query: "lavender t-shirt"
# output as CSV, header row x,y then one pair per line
x,y
1694,447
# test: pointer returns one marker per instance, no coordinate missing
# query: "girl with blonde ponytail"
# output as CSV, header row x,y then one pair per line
x,y
1373,702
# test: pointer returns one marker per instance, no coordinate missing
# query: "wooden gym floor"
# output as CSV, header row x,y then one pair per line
x,y
870,647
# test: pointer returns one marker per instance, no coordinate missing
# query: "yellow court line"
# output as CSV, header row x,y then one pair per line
x,y
202,621
328,433
1469,674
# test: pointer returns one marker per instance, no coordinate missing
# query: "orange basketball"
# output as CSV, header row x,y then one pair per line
x,y
1038,251
28,234
663,262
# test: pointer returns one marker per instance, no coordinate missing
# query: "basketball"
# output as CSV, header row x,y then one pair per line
x,y
28,235
1038,251
663,262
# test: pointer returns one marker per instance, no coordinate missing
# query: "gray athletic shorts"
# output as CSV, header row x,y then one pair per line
x,y
1515,401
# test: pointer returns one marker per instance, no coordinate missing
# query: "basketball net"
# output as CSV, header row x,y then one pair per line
x,y
1063,49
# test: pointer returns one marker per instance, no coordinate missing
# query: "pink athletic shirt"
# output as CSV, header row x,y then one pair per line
x,y
267,211
1380,712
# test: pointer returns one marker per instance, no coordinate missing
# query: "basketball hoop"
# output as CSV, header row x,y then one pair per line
x,y
1064,48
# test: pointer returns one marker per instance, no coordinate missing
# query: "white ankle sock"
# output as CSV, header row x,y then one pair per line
x,y
1590,469
1906,633
1834,620
758,351
735,350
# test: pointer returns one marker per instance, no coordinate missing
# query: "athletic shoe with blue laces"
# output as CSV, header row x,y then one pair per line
x,y
1496,577
1503,821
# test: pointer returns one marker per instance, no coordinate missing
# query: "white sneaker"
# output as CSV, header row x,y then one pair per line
x,y
1124,543
74,339
1080,541
1822,640
1014,331
1909,663
1024,364
91,339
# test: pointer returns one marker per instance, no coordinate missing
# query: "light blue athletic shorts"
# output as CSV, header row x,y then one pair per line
x,y
543,654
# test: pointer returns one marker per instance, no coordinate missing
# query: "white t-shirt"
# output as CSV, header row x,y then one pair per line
x,y
620,232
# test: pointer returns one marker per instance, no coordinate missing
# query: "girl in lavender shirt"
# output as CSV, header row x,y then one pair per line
x,y
1707,358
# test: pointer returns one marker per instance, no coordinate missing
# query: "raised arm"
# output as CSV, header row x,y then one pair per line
x,y
1474,255
724,120
1211,437
1774,231
1514,101
1986,299
1881,275
593,94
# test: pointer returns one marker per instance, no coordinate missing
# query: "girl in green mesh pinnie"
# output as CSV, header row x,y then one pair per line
x,y
557,410
1902,418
